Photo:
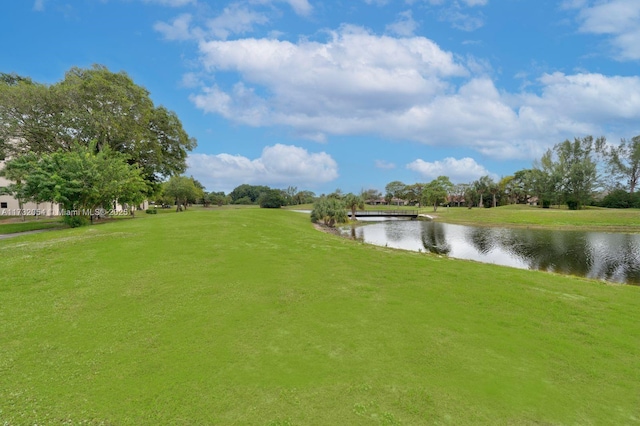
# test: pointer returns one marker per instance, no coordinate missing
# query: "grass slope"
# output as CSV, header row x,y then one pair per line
x,y
11,227
251,316
625,220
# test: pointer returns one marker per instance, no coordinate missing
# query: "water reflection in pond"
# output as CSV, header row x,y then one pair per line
x,y
608,256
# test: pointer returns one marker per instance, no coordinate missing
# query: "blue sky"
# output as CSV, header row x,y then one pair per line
x,y
354,94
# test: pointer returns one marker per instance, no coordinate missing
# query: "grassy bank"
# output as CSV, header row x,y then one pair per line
x,y
625,220
250,316
13,226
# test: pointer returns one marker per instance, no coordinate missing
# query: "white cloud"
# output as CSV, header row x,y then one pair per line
x,y
462,21
301,7
407,88
190,80
352,76
385,165
475,2
278,166
235,19
583,101
459,171
38,5
619,19
404,25
171,3
179,29
239,17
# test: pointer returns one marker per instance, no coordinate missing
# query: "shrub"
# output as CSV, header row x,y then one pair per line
x,y
573,204
271,199
617,199
244,201
151,211
75,221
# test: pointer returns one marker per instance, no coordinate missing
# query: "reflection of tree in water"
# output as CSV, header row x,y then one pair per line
x,y
397,230
613,257
481,238
434,239
621,264
562,252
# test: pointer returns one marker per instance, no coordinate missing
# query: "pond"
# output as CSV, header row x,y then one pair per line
x,y
612,257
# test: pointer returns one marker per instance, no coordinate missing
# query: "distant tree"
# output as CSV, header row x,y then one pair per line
x,y
457,193
181,189
618,199
505,188
624,162
353,202
337,194
471,196
396,189
521,186
571,167
370,195
483,186
436,191
272,199
247,194
200,192
217,198
290,195
304,197
413,193
494,190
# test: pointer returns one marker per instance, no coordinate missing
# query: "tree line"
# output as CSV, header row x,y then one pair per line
x,y
578,173
182,191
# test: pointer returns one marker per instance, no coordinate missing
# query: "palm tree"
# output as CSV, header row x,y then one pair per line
x,y
353,202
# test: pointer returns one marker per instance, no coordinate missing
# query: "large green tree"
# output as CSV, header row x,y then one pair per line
x,y
272,199
436,191
82,180
572,169
182,189
93,107
17,172
482,186
624,162
395,189
247,194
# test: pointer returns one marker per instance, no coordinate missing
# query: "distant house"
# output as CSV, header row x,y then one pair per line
x,y
383,202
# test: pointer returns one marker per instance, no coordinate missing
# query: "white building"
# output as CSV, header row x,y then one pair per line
x,y
9,206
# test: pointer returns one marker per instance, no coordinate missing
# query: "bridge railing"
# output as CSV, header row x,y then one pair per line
x,y
385,212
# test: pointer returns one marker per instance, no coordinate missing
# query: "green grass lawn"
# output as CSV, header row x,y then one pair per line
x,y
251,316
627,220
7,227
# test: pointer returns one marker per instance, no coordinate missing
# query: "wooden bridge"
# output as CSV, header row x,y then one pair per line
x,y
412,214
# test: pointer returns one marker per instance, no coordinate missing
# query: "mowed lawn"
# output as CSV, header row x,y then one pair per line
x,y
595,218
251,316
